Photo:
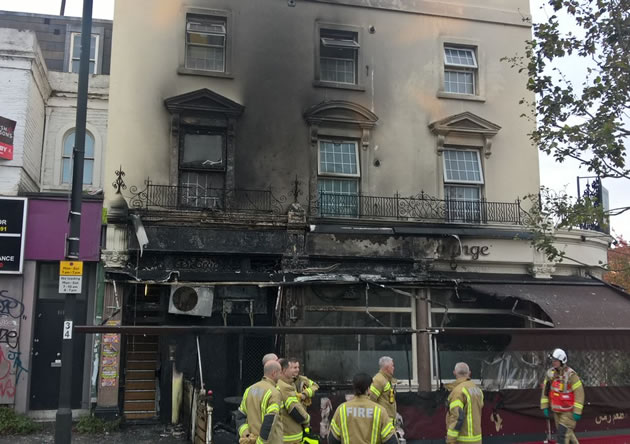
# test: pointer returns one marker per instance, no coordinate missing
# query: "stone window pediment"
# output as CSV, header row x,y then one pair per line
x,y
204,101
467,125
336,112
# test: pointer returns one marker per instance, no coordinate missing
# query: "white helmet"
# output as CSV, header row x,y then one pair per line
x,y
560,355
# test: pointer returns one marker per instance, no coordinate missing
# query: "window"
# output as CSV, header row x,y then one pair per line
x,y
338,52
88,163
462,184
202,168
345,306
460,70
338,182
206,43
75,52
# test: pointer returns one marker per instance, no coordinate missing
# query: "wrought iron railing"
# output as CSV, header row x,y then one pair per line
x,y
417,208
192,197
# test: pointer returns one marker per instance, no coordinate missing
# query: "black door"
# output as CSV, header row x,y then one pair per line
x,y
46,359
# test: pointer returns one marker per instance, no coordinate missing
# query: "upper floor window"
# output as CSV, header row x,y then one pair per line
x,y
463,179
66,159
75,52
338,181
460,70
338,54
206,42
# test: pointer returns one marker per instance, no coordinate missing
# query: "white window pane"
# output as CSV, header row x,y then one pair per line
x,y
460,57
66,170
68,145
88,171
75,66
338,197
93,47
76,46
205,58
338,158
89,146
337,70
462,166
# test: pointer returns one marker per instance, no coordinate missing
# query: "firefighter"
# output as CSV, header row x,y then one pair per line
x,y
269,357
305,387
293,413
258,417
562,389
465,402
383,388
361,421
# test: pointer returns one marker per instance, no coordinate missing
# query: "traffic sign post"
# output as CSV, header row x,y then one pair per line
x,y
63,419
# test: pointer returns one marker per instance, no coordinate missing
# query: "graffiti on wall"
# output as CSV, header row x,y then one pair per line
x,y
11,367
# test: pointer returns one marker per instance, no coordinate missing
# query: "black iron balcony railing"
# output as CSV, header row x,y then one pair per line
x,y
421,208
192,197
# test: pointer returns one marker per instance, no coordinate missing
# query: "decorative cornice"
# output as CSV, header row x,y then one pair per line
x,y
467,124
204,100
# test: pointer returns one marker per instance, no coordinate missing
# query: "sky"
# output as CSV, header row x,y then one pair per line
x,y
560,177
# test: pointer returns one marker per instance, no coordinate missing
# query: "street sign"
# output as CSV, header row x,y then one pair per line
x,y
71,268
70,277
67,330
12,233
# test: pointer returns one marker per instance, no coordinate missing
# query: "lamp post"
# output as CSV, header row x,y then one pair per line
x,y
63,419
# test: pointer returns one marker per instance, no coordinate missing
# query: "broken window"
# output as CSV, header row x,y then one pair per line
x,y
345,306
202,168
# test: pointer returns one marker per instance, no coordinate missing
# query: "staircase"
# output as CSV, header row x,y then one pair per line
x,y
140,384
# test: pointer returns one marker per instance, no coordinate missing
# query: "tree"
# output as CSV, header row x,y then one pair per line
x,y
587,120
619,265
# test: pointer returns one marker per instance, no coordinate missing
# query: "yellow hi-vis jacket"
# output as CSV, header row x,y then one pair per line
x,y
383,392
306,387
563,380
463,419
261,401
361,421
292,412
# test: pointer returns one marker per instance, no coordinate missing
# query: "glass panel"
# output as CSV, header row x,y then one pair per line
x,y
341,70
206,39
338,157
68,144
338,197
201,190
460,57
463,203
89,146
88,171
75,66
459,82
93,47
205,57
203,151
462,166
76,46
66,170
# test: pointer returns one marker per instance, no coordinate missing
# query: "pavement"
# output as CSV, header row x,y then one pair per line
x,y
136,434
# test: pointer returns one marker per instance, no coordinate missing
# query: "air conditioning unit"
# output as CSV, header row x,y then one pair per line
x,y
191,301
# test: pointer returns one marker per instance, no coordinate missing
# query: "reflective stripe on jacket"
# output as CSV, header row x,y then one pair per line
x,y
383,392
463,419
292,431
361,421
261,399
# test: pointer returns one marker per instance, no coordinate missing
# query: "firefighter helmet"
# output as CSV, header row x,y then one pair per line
x,y
560,355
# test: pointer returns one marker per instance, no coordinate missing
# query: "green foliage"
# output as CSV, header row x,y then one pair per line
x,y
582,120
12,423
91,425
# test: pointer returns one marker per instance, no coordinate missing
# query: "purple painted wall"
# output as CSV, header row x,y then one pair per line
x,y
47,228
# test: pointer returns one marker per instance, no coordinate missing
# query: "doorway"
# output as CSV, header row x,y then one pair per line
x,y
46,360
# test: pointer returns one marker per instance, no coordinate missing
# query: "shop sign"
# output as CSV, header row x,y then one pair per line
x,y
12,233
7,129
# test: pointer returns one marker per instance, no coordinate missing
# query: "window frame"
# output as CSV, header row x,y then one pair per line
x,y
446,181
224,16
71,57
455,67
356,175
458,42
359,84
210,131
70,158
206,20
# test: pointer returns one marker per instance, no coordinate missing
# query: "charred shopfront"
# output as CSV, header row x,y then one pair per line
x,y
213,292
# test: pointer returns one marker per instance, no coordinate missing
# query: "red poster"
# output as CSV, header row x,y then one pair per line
x,y
7,128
